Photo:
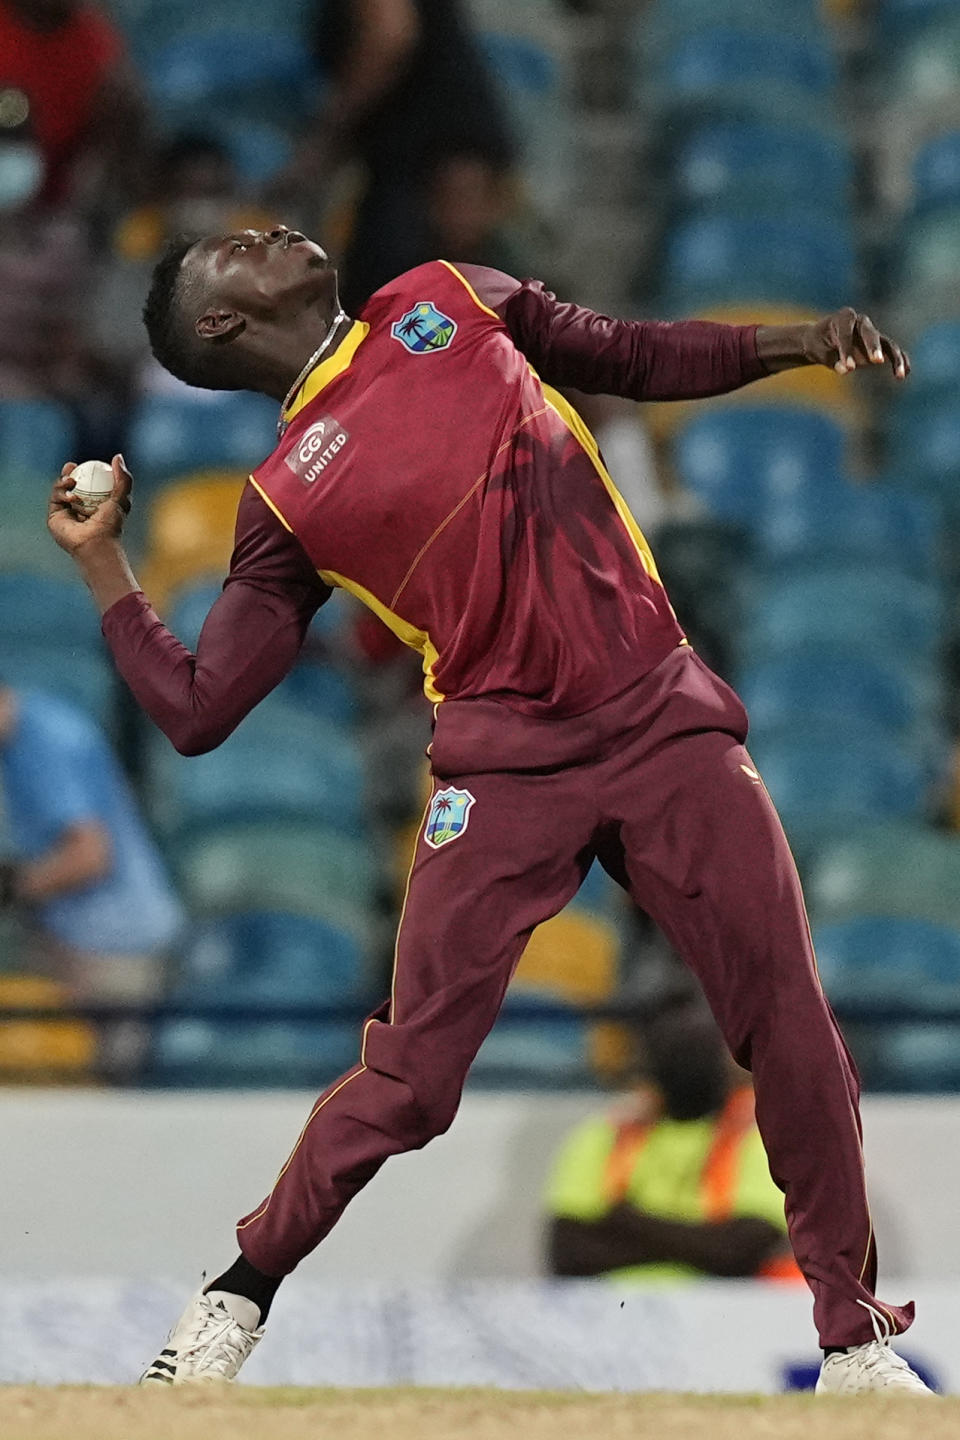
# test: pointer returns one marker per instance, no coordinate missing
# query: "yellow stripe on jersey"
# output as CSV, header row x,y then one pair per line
x,y
580,432
417,639
267,501
470,291
321,375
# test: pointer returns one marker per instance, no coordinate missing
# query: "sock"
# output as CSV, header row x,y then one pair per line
x,y
834,1350
243,1279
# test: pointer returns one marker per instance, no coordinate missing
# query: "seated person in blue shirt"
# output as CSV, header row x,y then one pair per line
x,y
85,875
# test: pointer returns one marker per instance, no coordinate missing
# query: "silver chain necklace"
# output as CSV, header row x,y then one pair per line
x,y
317,355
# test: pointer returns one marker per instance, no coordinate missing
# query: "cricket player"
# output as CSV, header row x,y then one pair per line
x,y
426,463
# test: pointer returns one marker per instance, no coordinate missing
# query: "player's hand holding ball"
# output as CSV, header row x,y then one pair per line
x,y
89,503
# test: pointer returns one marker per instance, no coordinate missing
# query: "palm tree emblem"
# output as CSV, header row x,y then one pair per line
x,y
441,810
424,328
448,816
413,323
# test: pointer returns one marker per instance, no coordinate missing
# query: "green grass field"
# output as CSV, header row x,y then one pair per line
x,y
32,1413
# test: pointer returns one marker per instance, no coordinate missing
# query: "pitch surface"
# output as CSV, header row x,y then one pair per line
x,y
33,1413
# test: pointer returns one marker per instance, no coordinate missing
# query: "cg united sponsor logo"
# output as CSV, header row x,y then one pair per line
x,y
317,446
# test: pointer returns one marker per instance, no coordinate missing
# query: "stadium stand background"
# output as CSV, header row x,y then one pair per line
x,y
761,159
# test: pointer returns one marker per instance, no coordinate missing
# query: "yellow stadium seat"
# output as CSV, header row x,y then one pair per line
x,y
954,793
841,9
574,955
190,534
42,1049
812,386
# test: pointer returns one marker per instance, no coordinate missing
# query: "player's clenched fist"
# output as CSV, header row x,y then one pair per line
x,y
75,531
846,340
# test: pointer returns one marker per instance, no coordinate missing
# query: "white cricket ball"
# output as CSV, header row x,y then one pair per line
x,y
92,484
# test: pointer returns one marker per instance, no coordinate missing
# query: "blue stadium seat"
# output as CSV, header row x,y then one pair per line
x,y
826,781
271,958
927,255
896,19
925,452
745,464
317,688
278,763
193,1053
854,523
37,437
172,435
924,1059
301,867
844,687
37,609
533,85
599,894
792,258
759,165
728,71
924,65
75,673
150,25
259,151
935,356
881,612
936,172
879,961
661,25
544,1052
899,868
245,72
321,691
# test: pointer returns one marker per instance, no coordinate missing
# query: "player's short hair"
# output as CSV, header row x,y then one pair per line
x,y
166,315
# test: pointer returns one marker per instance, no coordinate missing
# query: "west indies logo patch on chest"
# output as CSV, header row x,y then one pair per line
x,y
424,329
320,443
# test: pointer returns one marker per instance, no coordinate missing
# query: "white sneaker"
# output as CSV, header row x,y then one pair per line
x,y
873,1366
211,1340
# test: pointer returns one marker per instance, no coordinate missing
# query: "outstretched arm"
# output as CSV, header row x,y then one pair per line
x,y
660,360
627,1236
251,637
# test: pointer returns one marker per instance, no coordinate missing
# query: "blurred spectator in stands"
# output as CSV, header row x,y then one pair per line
x,y
193,189
44,265
411,98
85,874
468,205
88,117
675,1183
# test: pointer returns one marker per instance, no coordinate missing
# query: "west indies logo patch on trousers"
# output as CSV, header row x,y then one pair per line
x,y
448,816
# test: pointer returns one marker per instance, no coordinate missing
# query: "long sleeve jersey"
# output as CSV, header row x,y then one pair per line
x,y
429,467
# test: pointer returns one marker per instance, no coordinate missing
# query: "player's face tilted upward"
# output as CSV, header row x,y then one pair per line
x,y
256,277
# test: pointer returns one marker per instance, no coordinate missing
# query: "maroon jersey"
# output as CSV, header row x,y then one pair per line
x,y
429,468
429,471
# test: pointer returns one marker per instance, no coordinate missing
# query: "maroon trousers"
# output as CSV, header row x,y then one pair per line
x,y
659,786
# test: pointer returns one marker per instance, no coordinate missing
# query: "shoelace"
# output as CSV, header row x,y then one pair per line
x,y
881,1322
217,1328
877,1355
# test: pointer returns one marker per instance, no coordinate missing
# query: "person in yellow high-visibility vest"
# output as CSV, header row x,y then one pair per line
x,y
675,1183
